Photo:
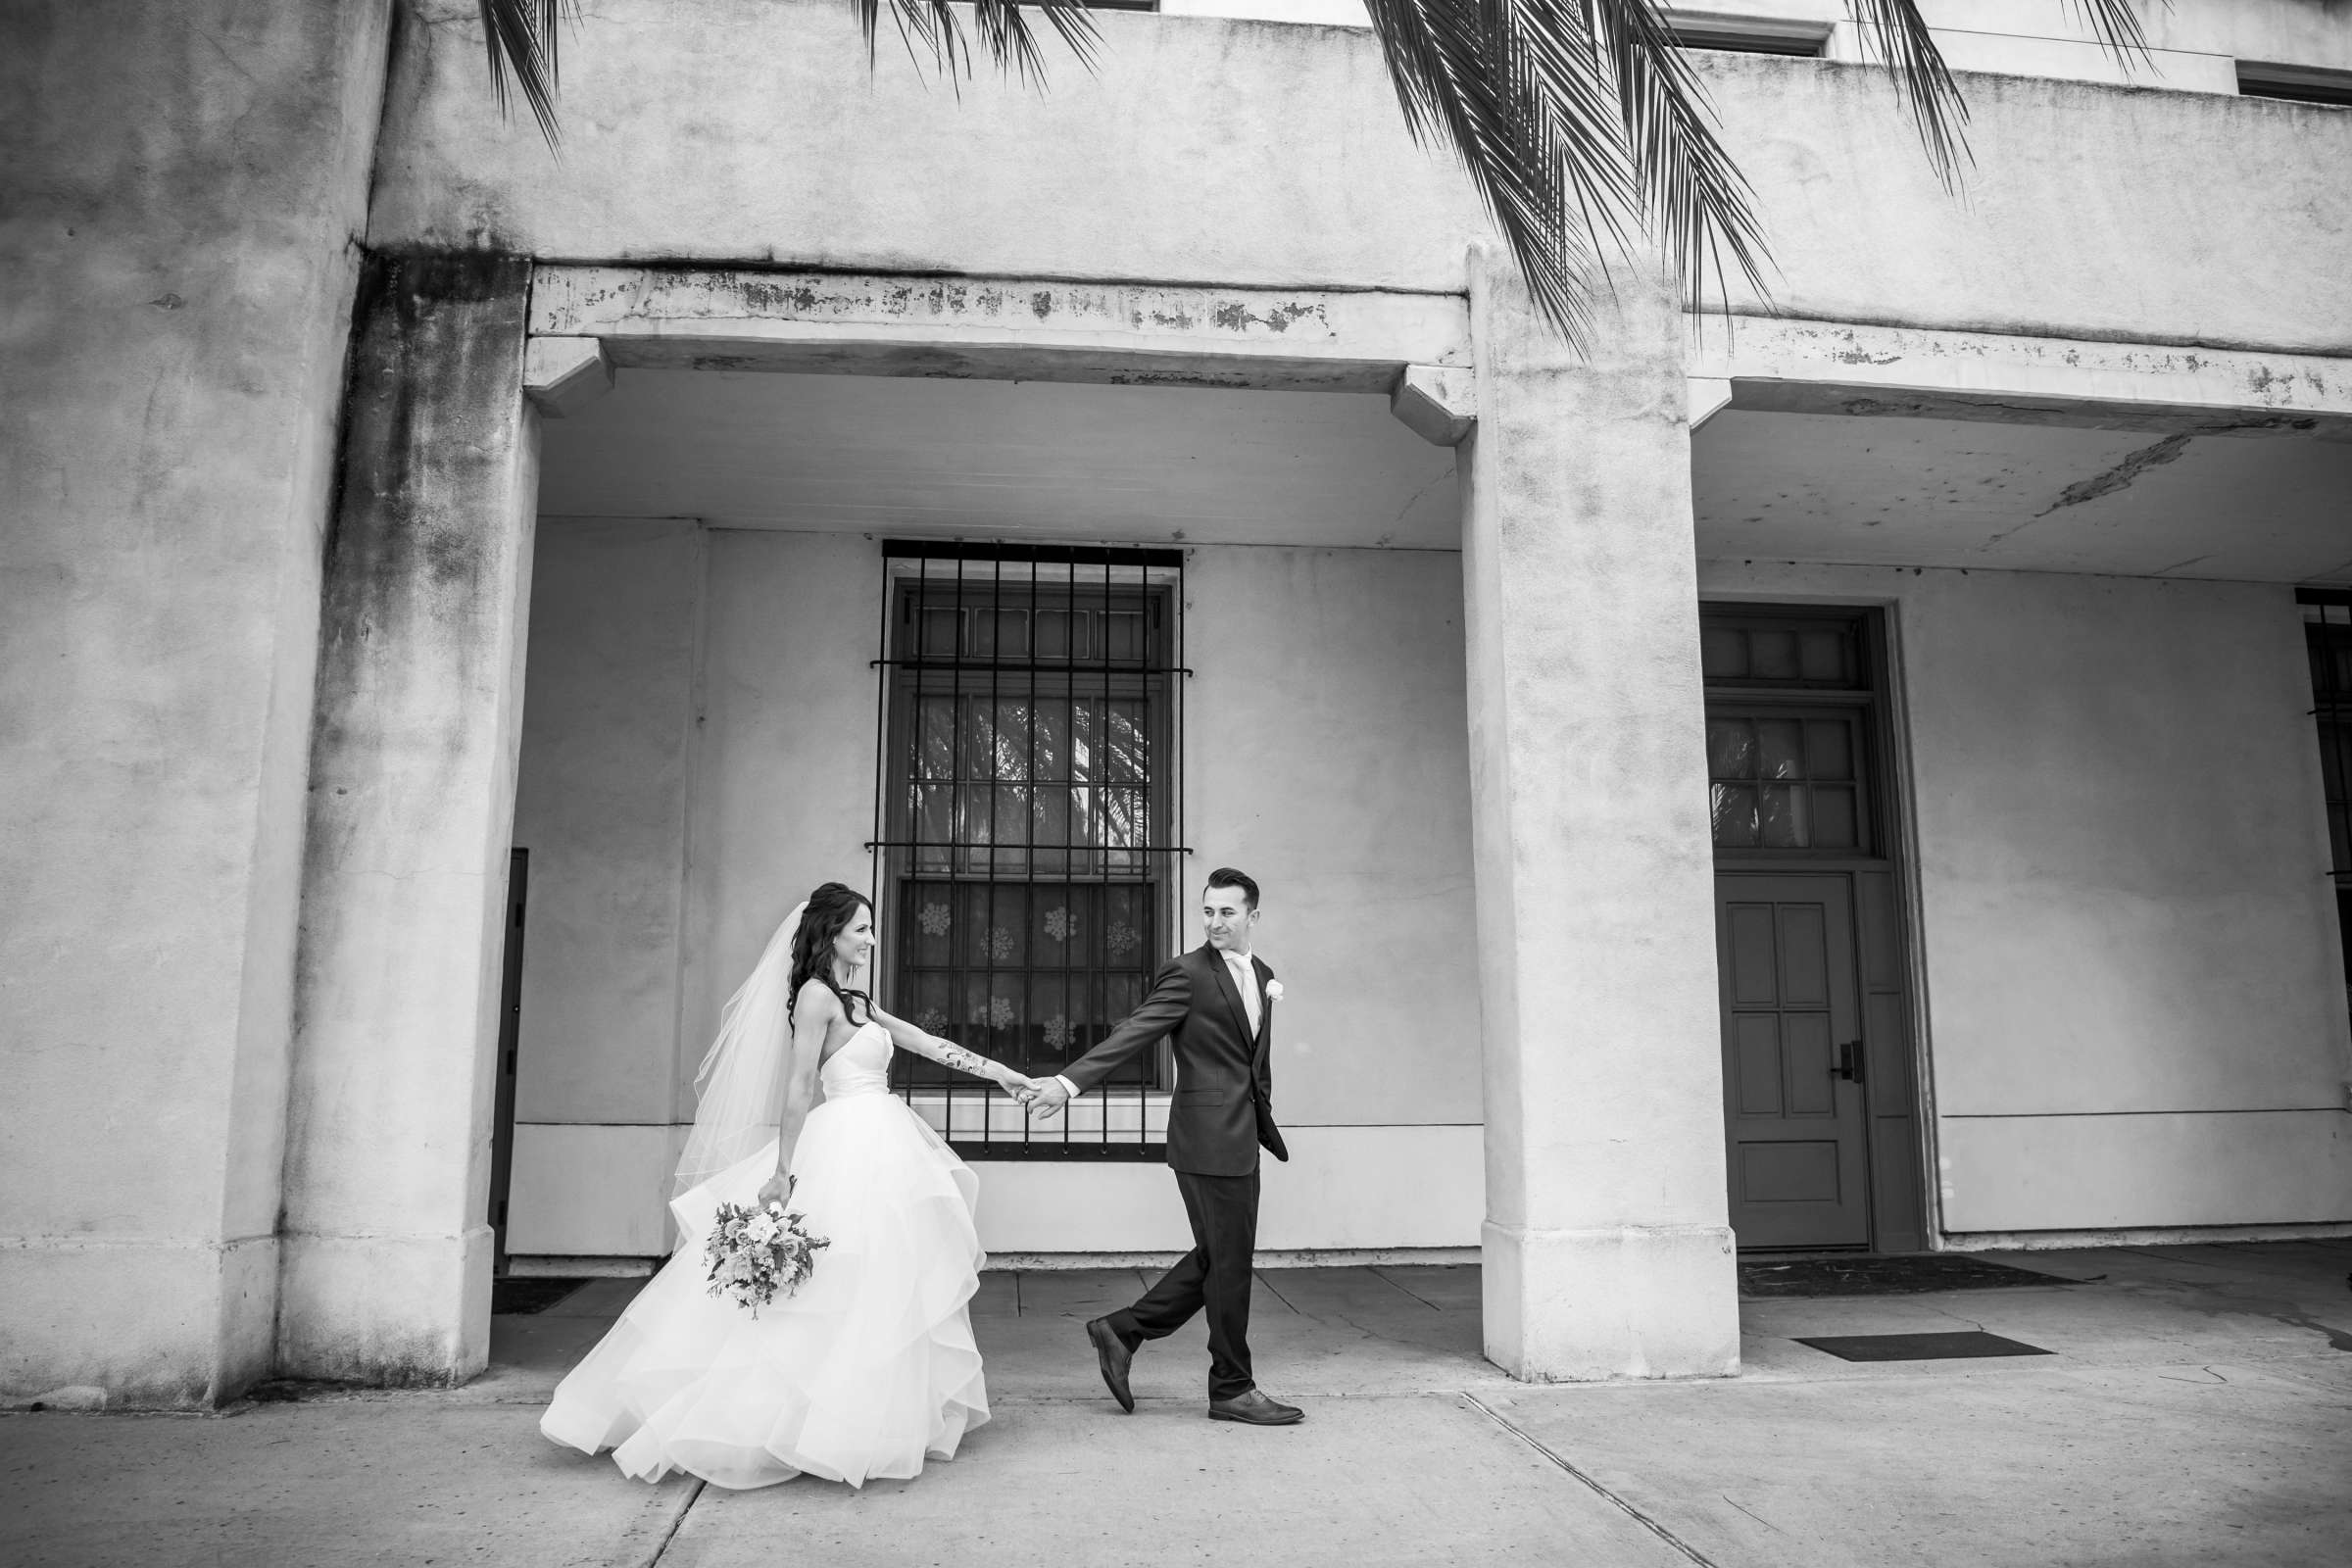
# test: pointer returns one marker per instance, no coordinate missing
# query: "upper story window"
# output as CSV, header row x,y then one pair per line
x,y
2306,84
1748,35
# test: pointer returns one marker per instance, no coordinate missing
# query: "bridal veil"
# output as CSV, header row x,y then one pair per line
x,y
737,1081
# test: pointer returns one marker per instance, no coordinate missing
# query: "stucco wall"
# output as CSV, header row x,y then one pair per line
x,y
1250,151
2133,983
180,189
600,802
703,758
1326,754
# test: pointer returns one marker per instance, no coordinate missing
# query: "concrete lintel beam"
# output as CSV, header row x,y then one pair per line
x,y
1002,328
1709,396
561,376
1829,367
1439,403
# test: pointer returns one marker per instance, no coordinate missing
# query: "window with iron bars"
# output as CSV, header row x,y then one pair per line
x,y
2328,638
1028,827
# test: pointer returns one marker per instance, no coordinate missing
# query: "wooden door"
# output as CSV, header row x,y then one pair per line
x,y
1792,1060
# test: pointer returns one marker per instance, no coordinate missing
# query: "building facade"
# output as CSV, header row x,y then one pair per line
x,y
1862,768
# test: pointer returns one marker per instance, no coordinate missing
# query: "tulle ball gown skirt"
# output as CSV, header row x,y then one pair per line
x,y
866,1372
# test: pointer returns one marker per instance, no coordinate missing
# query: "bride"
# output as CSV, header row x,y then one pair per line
x,y
871,1366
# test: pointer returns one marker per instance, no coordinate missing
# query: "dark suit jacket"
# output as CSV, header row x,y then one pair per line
x,y
1224,1108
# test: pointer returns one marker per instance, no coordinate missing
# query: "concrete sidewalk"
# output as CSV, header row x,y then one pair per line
x,y
2197,1410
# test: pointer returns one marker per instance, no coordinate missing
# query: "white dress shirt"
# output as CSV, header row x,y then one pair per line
x,y
1244,979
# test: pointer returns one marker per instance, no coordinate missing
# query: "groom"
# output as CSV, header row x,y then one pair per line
x,y
1217,1003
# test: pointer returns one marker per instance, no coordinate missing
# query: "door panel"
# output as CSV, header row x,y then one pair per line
x,y
1755,1072
1792,1020
1790,1173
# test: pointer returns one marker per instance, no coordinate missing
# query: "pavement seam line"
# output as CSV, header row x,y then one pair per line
x,y
1656,1529
1377,1274
661,1546
1261,1278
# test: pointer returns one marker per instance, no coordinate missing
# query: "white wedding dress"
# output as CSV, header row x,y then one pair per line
x,y
864,1373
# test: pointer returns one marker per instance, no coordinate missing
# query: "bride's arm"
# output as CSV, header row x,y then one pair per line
x,y
812,1016
947,1053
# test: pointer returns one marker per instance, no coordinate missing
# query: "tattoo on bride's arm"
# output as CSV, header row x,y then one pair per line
x,y
954,1055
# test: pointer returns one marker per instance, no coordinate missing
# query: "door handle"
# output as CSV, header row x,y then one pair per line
x,y
1849,1062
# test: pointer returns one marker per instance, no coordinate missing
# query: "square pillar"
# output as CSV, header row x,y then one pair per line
x,y
385,1248
1606,1249
183,181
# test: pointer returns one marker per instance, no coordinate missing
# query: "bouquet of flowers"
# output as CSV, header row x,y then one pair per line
x,y
759,1253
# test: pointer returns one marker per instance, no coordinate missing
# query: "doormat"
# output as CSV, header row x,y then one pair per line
x,y
1921,1346
1884,1276
520,1296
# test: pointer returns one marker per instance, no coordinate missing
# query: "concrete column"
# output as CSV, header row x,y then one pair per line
x,y
1606,1246
182,182
386,1252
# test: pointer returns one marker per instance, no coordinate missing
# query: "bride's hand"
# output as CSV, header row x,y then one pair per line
x,y
1021,1088
777,1190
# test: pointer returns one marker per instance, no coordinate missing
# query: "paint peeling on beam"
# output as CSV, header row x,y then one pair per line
x,y
1912,373
1002,328
2076,413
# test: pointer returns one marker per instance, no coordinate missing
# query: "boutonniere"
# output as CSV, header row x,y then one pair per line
x,y
1273,990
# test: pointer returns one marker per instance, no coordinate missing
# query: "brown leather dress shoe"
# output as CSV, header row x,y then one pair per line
x,y
1112,1353
1255,1410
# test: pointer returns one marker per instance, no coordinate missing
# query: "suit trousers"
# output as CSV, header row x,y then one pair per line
x,y
1216,1276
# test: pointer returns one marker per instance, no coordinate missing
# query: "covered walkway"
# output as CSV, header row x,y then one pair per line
x,y
2191,1410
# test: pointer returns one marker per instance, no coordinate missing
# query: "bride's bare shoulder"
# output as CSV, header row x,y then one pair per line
x,y
815,1000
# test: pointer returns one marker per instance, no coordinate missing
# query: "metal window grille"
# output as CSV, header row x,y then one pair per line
x,y
1788,710
1030,825
2327,637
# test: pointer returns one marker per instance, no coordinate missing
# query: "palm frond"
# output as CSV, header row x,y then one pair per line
x,y
1921,80
932,28
2116,24
521,36
1908,51
1579,122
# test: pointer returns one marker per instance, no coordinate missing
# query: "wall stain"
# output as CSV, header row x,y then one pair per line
x,y
414,563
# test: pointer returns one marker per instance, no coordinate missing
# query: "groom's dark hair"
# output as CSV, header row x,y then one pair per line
x,y
1225,877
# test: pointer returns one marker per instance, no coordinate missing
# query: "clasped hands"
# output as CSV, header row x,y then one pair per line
x,y
1042,1098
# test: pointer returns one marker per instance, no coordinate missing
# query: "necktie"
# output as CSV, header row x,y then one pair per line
x,y
1245,975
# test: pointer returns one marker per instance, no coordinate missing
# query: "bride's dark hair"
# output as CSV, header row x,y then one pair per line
x,y
830,910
